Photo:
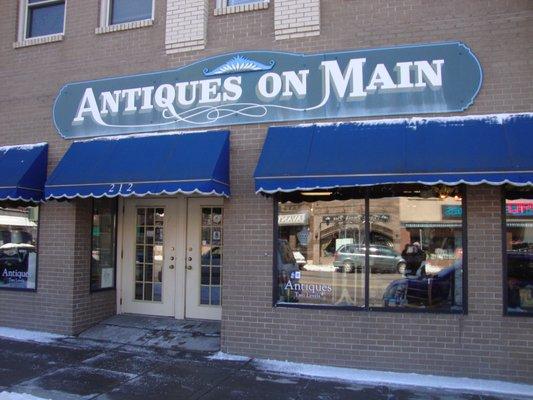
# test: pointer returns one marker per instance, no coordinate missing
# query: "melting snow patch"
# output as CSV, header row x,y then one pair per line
x,y
18,396
396,378
227,357
32,336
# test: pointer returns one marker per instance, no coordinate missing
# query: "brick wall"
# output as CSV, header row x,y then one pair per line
x,y
482,343
186,25
296,18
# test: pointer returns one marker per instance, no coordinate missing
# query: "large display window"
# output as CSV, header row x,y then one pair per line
x,y
518,259
18,247
400,248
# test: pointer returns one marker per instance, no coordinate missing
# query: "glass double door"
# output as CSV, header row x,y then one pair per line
x,y
171,262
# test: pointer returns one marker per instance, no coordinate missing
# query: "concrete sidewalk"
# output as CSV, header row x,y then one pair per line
x,y
81,368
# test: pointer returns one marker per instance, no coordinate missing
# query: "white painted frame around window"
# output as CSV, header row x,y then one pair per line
x,y
222,7
105,19
23,23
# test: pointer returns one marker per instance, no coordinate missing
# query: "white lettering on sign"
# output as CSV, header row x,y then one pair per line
x,y
292,219
176,99
14,274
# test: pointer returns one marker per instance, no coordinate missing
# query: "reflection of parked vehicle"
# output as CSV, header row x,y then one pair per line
x,y
14,257
350,257
520,280
423,290
210,257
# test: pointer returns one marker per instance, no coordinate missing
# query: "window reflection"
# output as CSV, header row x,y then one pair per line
x,y
18,247
415,252
519,245
424,255
312,239
103,245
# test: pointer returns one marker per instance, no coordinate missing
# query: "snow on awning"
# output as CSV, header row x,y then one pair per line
x,y
493,149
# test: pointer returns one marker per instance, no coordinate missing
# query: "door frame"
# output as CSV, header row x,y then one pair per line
x,y
179,262
182,219
192,294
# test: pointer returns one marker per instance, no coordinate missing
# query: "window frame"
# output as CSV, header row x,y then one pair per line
x,y
114,287
222,7
24,15
367,308
225,3
106,10
505,267
38,206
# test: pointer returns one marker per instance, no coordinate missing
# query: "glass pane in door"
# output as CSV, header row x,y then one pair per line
x,y
149,252
211,257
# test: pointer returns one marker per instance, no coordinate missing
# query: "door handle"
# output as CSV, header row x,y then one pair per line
x,y
189,267
171,267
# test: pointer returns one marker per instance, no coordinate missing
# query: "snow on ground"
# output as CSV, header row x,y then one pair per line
x,y
18,396
25,335
396,378
318,267
226,357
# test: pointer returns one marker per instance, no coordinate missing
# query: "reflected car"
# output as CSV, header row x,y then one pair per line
x,y
424,290
351,257
14,257
520,280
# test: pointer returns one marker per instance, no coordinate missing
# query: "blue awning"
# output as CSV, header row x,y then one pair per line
x,y
23,172
139,165
492,149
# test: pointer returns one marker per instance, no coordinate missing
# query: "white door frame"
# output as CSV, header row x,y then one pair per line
x,y
181,261
179,203
193,272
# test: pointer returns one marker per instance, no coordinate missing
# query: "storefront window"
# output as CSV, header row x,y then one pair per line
x,y
421,263
311,239
18,247
519,251
103,252
410,251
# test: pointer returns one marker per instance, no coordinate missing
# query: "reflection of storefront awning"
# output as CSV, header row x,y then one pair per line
x,y
432,224
12,220
473,150
138,165
23,172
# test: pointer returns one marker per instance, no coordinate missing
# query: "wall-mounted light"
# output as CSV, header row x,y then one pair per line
x,y
316,193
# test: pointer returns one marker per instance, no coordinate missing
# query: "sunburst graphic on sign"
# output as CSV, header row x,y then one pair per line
x,y
239,64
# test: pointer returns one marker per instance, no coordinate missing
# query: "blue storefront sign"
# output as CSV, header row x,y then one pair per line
x,y
265,86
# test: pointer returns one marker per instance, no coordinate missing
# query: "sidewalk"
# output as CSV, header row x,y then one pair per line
x,y
80,368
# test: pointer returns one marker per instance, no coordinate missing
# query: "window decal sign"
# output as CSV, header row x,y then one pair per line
x,y
253,87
